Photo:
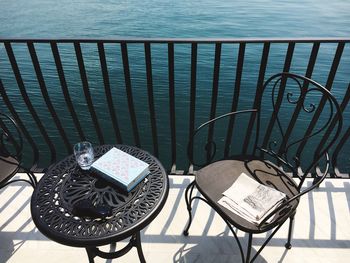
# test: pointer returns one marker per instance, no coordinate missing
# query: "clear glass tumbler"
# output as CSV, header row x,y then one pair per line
x,y
84,154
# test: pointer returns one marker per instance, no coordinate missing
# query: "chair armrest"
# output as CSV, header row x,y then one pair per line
x,y
210,122
6,135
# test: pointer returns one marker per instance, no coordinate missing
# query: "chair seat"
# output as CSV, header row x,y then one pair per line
x,y
217,177
7,170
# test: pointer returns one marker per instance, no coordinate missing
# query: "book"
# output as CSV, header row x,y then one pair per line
x,y
250,199
121,168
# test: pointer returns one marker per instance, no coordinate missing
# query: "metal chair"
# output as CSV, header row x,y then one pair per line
x,y
282,163
11,146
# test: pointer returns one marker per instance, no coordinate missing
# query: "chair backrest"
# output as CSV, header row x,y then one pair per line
x,y
293,123
303,123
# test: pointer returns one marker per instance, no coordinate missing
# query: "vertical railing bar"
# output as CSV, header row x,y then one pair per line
x,y
108,93
171,73
46,96
194,48
308,74
26,99
20,124
286,67
128,88
335,64
235,99
148,61
65,90
312,59
87,94
214,96
328,86
258,95
339,146
331,126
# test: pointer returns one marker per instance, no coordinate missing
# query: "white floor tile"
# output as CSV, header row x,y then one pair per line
x,y
322,232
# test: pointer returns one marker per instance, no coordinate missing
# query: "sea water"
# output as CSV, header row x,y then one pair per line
x,y
167,19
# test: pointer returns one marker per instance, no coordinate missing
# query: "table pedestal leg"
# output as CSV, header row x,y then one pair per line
x,y
135,241
139,247
91,255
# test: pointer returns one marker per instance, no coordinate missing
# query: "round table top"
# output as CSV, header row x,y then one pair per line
x,y
64,184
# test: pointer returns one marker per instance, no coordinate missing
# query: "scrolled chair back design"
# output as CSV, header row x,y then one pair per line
x,y
296,121
304,123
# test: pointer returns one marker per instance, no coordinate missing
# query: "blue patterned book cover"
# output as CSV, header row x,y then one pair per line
x,y
122,168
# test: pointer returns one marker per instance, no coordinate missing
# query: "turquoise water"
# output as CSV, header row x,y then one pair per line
x,y
168,19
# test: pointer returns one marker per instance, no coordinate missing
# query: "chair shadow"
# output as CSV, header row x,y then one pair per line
x,y
220,248
6,242
197,248
223,249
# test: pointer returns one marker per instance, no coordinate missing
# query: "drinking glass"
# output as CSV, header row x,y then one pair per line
x,y
84,154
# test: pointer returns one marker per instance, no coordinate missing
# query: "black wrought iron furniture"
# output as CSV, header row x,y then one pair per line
x,y
64,184
272,162
11,146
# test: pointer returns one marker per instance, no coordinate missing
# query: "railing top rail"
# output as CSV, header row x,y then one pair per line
x,y
178,40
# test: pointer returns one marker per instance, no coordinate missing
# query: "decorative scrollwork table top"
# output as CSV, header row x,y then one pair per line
x,y
65,183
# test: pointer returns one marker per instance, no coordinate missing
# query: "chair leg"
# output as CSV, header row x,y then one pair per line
x,y
188,199
316,180
32,178
288,245
139,248
249,249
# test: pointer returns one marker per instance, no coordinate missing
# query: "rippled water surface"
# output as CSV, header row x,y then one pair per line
x,y
166,19
169,18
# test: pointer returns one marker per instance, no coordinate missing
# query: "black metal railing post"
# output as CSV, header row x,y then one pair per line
x,y
328,86
115,111
129,93
258,94
27,100
46,97
214,97
236,96
86,89
108,93
151,103
171,73
192,110
65,89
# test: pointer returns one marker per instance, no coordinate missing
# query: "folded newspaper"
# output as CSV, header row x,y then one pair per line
x,y
250,199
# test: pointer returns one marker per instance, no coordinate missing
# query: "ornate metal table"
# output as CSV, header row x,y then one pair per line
x,y
64,184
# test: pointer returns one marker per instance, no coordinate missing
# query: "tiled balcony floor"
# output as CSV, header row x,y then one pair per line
x,y
322,231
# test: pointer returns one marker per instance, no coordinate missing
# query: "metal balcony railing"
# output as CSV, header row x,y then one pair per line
x,y
152,93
